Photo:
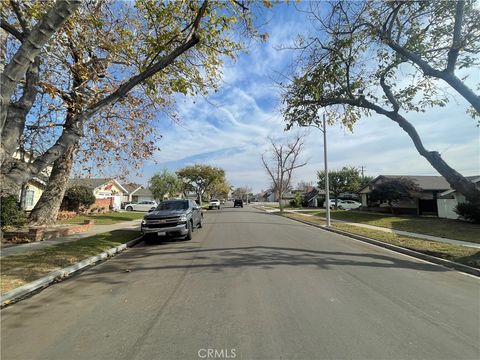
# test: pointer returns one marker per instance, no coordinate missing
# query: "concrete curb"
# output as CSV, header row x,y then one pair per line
x,y
439,261
21,292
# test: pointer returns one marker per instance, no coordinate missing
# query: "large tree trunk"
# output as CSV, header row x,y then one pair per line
x,y
31,47
46,210
456,180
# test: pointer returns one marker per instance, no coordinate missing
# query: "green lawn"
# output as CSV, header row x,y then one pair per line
x,y
460,254
453,229
18,270
106,219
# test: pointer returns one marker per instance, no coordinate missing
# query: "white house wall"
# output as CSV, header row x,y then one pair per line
x,y
445,208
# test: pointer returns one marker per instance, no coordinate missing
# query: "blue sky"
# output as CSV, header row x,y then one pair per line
x,y
230,128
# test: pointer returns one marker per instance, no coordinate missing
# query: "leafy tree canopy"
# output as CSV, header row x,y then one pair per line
x,y
392,190
119,56
389,58
201,178
165,184
340,181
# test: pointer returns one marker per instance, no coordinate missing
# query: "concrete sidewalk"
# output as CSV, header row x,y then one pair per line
x,y
96,229
399,232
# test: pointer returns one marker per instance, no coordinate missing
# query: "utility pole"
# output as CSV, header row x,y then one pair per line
x,y
327,189
362,169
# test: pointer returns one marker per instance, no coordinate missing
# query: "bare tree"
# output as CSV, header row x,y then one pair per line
x,y
283,160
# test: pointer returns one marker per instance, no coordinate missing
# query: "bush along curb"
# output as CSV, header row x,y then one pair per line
x,y
436,260
36,286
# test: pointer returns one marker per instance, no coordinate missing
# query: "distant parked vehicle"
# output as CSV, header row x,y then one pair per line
x,y
214,203
349,205
238,202
344,204
141,206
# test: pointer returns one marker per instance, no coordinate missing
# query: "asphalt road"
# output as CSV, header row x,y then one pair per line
x,y
251,286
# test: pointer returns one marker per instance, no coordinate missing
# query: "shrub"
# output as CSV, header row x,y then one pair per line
x,y
11,213
468,211
298,200
77,196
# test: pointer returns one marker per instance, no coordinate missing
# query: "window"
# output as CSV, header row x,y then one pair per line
x,y
29,195
173,205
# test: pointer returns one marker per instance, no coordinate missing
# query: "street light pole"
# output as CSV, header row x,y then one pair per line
x,y
327,190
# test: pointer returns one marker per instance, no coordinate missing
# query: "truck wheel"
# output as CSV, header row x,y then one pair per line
x,y
129,208
149,238
189,231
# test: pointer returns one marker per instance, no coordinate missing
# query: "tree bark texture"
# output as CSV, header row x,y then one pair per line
x,y
456,180
31,47
46,210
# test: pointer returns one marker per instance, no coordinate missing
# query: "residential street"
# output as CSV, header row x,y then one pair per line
x,y
257,286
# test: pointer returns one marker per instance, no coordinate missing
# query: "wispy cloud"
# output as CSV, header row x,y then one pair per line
x,y
230,129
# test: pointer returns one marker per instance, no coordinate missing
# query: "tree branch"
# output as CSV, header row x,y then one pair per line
x,y
29,50
11,30
19,14
73,130
457,41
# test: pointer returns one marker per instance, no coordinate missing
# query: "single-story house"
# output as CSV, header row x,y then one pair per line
x,y
314,197
131,188
448,200
31,192
426,204
142,194
103,188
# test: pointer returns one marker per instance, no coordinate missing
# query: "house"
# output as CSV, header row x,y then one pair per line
x,y
142,194
103,189
130,189
426,204
448,200
270,196
314,197
31,192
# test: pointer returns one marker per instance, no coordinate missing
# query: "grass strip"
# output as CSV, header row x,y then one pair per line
x,y
18,270
461,254
105,219
446,228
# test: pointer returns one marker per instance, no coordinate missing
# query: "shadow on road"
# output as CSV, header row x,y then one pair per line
x,y
166,257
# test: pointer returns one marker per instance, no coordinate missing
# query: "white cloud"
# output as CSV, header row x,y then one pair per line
x,y
230,129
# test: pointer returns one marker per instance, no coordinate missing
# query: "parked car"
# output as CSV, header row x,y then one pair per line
x,y
141,206
349,205
172,217
238,202
344,204
214,203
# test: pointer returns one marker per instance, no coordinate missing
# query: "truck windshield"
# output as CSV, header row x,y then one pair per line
x,y
173,205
